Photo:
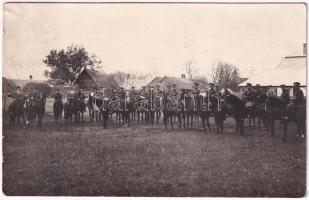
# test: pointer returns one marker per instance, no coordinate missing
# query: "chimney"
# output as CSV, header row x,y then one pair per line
x,y
30,77
183,76
305,49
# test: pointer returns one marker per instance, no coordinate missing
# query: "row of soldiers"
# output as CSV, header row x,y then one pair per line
x,y
34,94
252,94
249,94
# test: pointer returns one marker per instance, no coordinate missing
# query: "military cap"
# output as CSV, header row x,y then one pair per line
x,y
282,85
257,85
18,87
248,84
211,84
133,87
296,84
94,88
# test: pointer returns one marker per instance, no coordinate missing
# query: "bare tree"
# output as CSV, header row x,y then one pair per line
x,y
214,74
190,69
225,74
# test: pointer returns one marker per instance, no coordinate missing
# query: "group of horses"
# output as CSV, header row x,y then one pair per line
x,y
29,110
182,110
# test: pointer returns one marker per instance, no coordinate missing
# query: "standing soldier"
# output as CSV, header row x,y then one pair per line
x,y
285,95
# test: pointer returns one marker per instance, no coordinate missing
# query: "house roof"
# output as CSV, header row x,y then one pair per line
x,y
22,83
291,69
7,85
100,78
181,83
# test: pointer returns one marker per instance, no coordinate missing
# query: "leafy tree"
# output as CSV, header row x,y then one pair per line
x,y
65,65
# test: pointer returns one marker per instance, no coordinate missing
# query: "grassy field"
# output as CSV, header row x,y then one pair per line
x,y
149,161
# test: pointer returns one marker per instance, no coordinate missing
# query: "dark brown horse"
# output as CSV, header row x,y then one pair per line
x,y
237,109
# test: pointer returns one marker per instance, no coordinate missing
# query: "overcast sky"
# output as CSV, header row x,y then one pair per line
x,y
157,38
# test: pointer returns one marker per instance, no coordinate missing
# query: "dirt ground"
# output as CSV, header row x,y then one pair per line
x,y
146,160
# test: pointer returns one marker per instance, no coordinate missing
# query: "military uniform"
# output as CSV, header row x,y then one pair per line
x,y
299,96
58,96
17,95
285,95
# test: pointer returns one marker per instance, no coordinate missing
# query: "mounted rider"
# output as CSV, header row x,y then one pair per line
x,y
297,100
285,94
174,91
195,90
226,92
211,90
71,95
58,95
298,93
157,90
249,95
79,94
17,94
218,91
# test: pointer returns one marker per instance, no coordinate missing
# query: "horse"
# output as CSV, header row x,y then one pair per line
x,y
204,109
127,107
79,109
30,111
237,110
58,109
274,110
190,109
295,114
172,108
100,106
16,110
40,108
68,108
140,106
219,111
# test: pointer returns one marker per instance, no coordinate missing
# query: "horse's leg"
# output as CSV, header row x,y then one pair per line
x,y
207,121
165,121
172,125
203,122
285,127
242,123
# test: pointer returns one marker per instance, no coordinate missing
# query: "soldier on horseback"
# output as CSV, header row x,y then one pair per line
x,y
17,94
58,96
174,91
298,93
248,94
285,95
211,90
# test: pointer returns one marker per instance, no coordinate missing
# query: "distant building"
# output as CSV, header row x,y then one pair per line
x,y
181,82
90,78
290,70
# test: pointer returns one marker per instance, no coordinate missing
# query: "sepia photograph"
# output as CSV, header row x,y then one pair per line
x,y
161,99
